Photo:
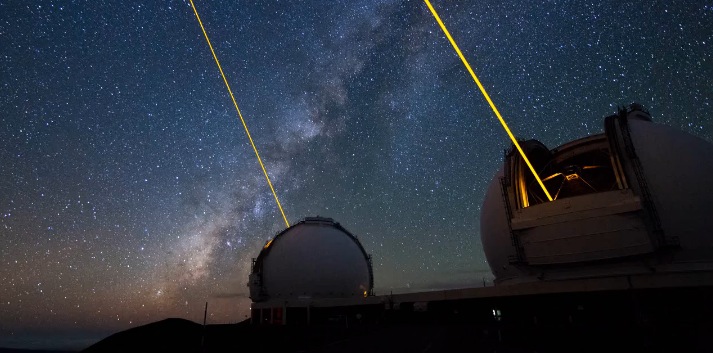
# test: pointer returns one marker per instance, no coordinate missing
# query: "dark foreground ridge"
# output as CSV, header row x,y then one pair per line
x,y
662,320
177,335
14,350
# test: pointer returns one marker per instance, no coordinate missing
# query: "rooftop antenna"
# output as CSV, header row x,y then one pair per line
x,y
205,315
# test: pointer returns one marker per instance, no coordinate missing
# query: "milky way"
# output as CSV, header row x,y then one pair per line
x,y
129,192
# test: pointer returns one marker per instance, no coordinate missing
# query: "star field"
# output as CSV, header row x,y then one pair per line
x,y
129,192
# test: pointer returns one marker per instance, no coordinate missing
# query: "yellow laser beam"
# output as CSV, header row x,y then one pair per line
x,y
487,97
235,103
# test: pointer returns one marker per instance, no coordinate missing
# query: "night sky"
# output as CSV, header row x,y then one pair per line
x,y
129,192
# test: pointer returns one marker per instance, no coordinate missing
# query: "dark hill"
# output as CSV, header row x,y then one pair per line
x,y
178,335
170,335
14,350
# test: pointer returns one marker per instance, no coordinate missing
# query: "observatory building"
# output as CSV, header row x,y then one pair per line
x,y
634,200
315,259
623,253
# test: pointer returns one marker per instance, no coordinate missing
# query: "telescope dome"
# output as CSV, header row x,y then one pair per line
x,y
634,199
315,258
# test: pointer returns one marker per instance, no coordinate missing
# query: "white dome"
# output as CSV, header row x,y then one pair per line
x,y
495,232
633,199
679,173
315,258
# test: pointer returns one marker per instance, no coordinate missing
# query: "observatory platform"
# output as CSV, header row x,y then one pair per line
x,y
624,251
